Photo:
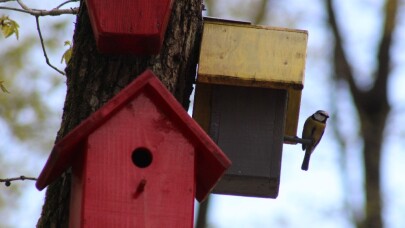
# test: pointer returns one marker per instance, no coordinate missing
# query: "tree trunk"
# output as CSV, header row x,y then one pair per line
x,y
373,111
93,79
372,106
203,214
372,140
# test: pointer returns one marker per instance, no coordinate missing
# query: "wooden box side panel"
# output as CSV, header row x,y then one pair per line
x,y
293,111
248,125
202,105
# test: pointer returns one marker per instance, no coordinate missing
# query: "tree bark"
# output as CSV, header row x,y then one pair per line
x,y
94,78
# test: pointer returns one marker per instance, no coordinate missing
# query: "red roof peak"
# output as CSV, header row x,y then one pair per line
x,y
211,162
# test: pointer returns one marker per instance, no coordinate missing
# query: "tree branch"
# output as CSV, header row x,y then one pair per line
x,y
384,58
43,47
8,180
52,12
23,5
64,3
37,12
261,12
372,106
342,142
343,70
209,6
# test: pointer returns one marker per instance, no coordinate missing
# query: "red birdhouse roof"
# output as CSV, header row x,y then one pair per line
x,y
132,26
211,162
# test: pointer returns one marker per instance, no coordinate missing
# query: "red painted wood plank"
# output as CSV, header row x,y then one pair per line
x,y
111,197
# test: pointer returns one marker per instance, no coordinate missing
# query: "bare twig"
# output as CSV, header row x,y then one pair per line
x,y
43,47
64,3
13,9
23,5
8,180
261,12
38,12
52,12
209,6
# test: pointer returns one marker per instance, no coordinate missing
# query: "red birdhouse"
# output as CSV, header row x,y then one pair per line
x,y
138,161
129,26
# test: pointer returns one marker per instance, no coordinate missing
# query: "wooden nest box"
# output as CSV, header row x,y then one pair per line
x,y
247,98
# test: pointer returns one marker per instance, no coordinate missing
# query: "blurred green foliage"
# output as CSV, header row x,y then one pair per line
x,y
9,27
28,119
68,53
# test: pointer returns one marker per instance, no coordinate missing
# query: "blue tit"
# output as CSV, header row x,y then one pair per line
x,y
314,128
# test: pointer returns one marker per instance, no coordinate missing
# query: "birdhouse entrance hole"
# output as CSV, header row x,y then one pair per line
x,y
142,157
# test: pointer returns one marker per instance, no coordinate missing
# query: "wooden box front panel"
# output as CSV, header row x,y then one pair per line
x,y
248,125
252,55
111,190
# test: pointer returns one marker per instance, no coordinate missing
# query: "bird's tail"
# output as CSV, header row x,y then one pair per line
x,y
305,162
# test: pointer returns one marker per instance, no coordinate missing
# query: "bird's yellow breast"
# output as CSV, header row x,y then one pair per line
x,y
313,130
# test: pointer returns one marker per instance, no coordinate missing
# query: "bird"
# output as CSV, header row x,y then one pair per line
x,y
314,127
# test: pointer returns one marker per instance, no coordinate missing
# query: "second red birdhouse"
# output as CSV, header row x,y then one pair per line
x,y
129,26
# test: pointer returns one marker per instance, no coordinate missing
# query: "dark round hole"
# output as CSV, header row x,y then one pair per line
x,y
141,157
